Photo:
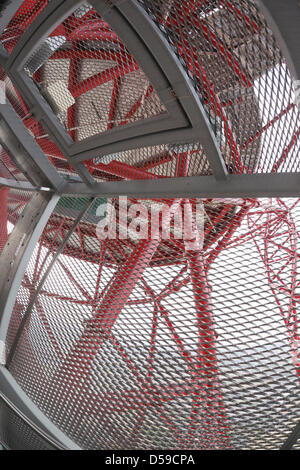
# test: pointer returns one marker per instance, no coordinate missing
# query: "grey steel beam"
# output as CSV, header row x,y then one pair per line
x,y
7,10
171,137
182,85
18,250
43,25
21,185
13,65
49,19
3,55
152,131
40,109
26,407
25,152
259,185
283,17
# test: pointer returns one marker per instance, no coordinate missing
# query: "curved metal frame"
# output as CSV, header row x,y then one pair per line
x,y
186,119
185,122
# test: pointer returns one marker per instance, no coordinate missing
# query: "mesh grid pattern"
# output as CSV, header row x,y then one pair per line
x,y
12,204
86,67
296,446
17,434
227,49
159,344
22,19
145,341
8,169
231,54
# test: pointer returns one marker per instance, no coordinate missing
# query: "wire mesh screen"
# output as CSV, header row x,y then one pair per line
x,y
8,168
152,162
173,325
22,19
230,52
17,434
12,204
297,445
158,323
94,84
89,77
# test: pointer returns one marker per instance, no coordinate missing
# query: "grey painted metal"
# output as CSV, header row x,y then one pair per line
x,y
31,94
292,438
48,20
21,185
7,10
3,55
274,10
172,137
283,16
18,398
84,173
26,153
185,121
43,113
45,275
108,142
259,185
152,51
13,65
18,250
40,109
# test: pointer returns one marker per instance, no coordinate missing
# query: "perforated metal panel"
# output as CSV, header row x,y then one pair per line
x,y
176,326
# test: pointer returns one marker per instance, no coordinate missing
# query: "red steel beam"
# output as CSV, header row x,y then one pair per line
x,y
207,397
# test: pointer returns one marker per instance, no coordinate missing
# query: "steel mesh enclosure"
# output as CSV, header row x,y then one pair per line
x,y
232,56
149,186
133,365
226,48
15,428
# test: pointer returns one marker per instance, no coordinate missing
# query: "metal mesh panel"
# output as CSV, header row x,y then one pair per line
x,y
8,168
17,434
164,342
152,162
227,49
12,203
90,79
181,334
23,18
238,70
